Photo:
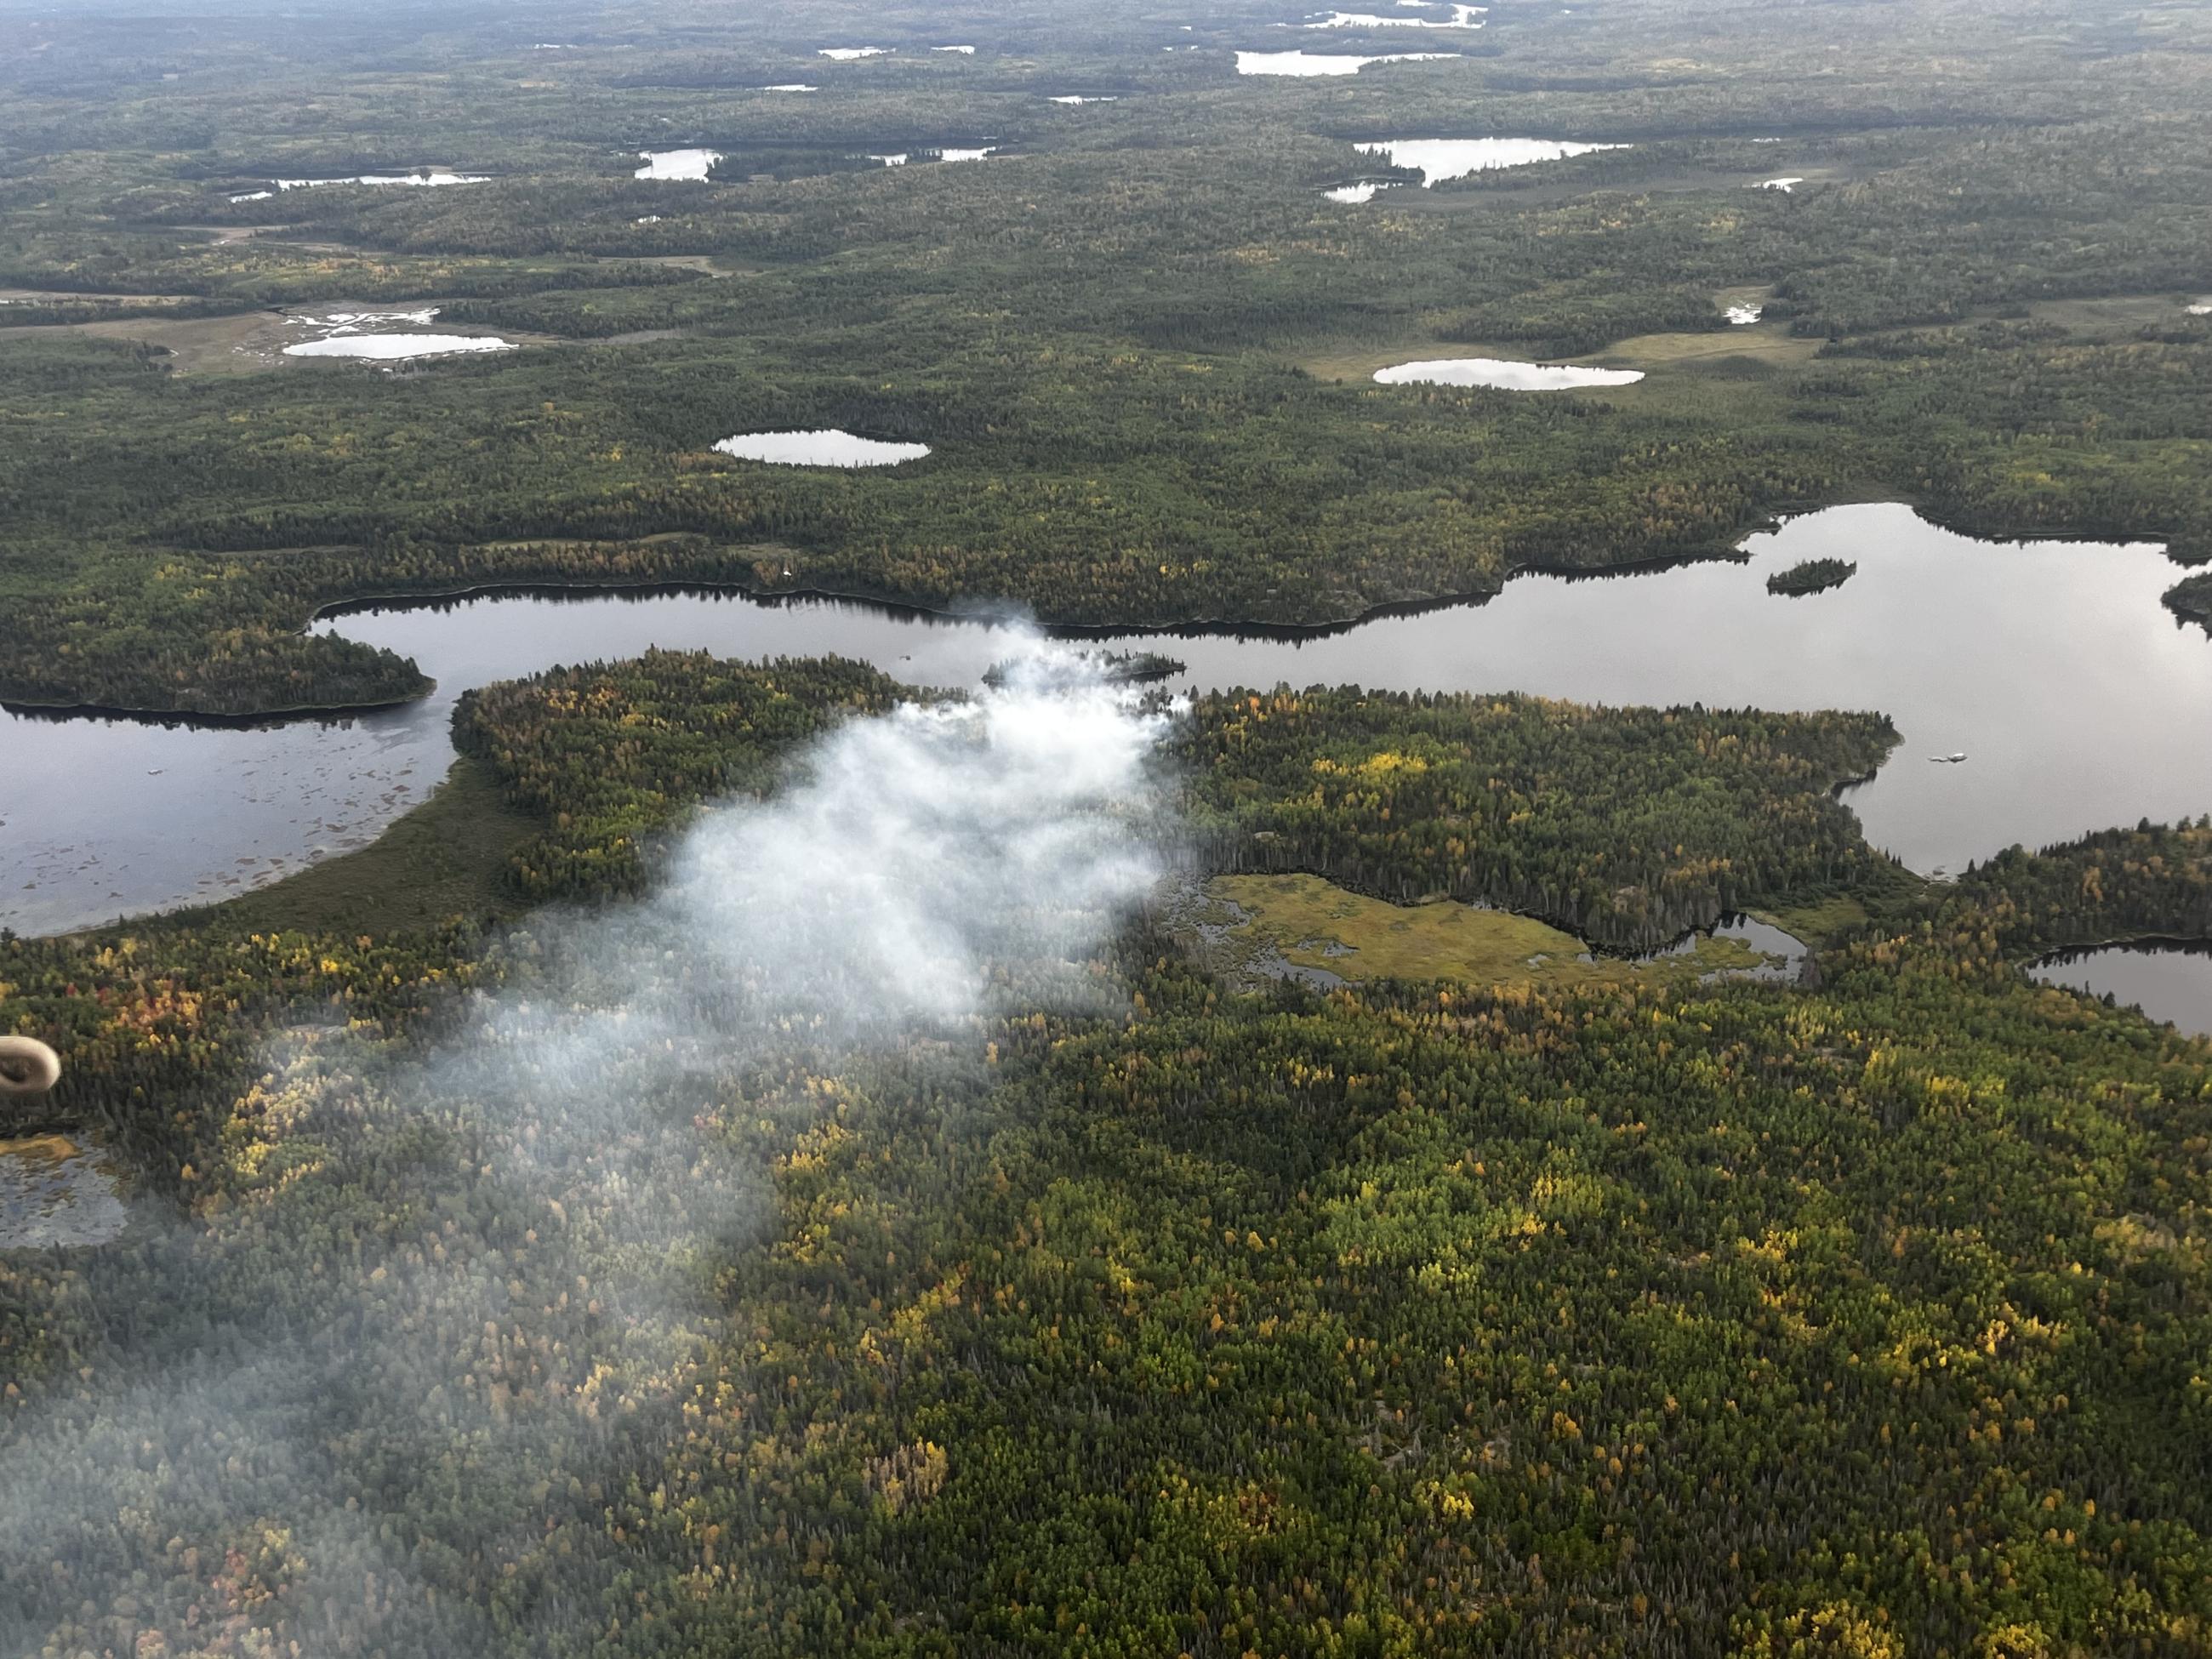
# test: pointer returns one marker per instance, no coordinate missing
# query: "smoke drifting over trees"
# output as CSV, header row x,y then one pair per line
x,y
501,1240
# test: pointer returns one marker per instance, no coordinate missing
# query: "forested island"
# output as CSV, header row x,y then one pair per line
x,y
764,1159
1812,576
1114,667
2192,599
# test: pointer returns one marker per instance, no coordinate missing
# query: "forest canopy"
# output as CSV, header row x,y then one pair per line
x,y
1694,1318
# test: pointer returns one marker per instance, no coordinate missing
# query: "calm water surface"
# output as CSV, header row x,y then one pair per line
x,y
692,164
389,348
1324,63
1503,375
827,448
2168,982
1462,17
429,178
54,1192
392,336
1440,159
2077,701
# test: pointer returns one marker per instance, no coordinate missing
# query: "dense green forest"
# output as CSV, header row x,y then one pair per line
x,y
1682,1319
1135,335
614,756
1627,827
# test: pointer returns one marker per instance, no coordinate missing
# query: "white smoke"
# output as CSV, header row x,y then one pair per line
x,y
923,848
918,872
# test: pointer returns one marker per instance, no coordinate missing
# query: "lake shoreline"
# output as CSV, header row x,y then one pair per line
x,y
166,815
1010,613
288,715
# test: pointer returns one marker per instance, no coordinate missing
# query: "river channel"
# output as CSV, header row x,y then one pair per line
x,y
2052,666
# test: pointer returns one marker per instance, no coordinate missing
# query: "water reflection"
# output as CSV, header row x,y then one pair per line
x,y
54,1193
428,178
396,347
827,448
1462,17
1783,954
692,164
1504,376
2170,980
1323,63
1439,159
2052,665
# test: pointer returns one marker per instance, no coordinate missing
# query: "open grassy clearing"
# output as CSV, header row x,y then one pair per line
x,y
1313,923
1817,922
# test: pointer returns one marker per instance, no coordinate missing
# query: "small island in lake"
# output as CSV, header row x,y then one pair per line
x,y
1115,667
2192,599
1813,576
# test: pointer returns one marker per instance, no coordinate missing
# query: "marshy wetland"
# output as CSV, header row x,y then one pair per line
x,y
57,1194
1256,927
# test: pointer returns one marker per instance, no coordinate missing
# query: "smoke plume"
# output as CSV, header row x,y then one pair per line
x,y
919,872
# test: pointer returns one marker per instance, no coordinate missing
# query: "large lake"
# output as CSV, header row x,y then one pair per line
x,y
2077,701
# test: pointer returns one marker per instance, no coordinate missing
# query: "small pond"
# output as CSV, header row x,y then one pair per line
x,y
846,54
1503,375
1321,62
351,322
2169,980
1783,955
54,1192
388,348
1439,159
428,178
823,448
1462,17
691,164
